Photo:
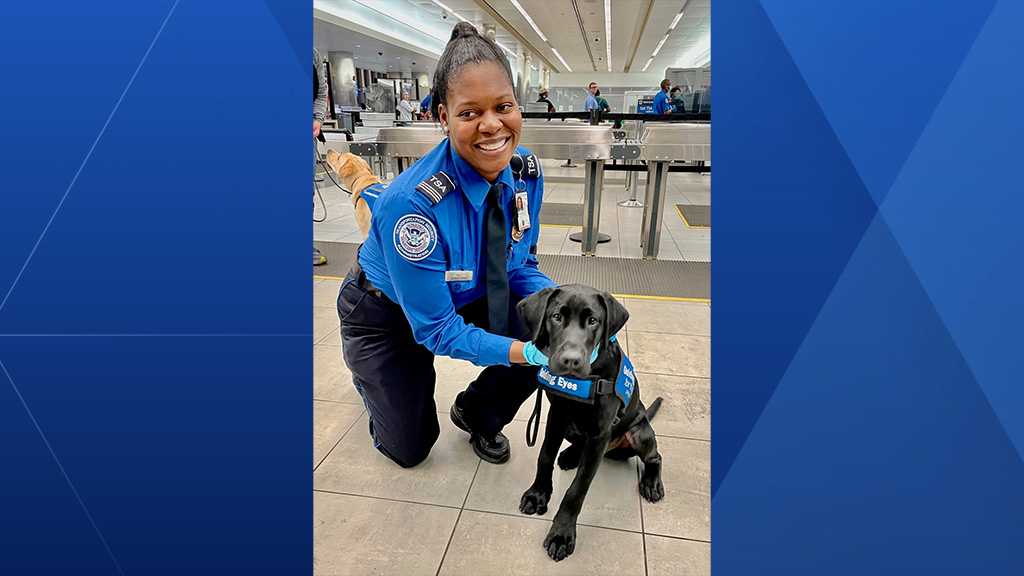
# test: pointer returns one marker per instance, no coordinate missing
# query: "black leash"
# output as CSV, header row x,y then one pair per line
x,y
535,423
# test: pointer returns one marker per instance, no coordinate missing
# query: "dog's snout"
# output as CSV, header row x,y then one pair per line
x,y
570,363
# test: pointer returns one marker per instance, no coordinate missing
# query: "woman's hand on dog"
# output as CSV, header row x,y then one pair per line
x,y
526,353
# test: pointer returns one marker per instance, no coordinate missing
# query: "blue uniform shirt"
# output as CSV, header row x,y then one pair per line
x,y
661,103
591,103
426,252
425,103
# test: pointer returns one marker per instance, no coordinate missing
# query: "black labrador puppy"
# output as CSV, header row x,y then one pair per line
x,y
567,324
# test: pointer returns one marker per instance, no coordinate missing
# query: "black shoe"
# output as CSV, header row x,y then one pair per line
x,y
495,451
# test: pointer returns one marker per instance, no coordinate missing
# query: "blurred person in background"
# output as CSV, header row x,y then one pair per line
x,y
543,97
319,114
662,104
676,97
405,108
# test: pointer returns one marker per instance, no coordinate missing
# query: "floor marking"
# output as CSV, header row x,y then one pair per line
x,y
685,222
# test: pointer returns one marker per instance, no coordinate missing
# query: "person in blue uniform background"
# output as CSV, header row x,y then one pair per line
x,y
425,107
591,102
450,251
662,104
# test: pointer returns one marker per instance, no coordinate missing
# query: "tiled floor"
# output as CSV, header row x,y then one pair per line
x,y
456,515
678,241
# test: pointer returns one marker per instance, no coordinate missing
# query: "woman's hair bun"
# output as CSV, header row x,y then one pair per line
x,y
464,29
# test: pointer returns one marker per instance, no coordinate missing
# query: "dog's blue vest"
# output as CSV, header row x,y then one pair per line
x,y
586,389
582,390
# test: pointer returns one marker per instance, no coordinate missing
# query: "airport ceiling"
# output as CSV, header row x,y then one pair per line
x,y
565,35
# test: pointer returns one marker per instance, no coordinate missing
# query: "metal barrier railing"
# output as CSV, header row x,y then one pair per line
x,y
659,145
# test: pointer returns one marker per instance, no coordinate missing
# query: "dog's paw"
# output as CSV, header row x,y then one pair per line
x,y
534,501
560,542
570,457
651,488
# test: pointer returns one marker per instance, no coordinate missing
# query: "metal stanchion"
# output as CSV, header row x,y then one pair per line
x,y
654,200
590,237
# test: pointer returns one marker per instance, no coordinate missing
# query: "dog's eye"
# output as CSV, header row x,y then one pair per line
x,y
556,317
592,321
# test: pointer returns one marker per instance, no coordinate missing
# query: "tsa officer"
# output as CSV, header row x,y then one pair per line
x,y
451,249
662,104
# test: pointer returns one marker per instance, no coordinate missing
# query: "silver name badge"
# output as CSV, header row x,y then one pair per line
x,y
458,275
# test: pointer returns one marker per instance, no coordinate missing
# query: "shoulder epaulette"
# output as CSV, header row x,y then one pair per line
x,y
530,166
436,187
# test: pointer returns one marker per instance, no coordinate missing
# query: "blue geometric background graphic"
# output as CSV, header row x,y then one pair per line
x,y
868,407
155,325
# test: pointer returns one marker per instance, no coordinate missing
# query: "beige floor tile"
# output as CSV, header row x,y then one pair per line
x,y
564,193
670,353
696,255
490,544
333,338
330,421
453,376
355,536
668,317
612,502
523,415
672,557
551,239
623,338
325,322
631,249
685,512
356,467
325,293
332,379
686,408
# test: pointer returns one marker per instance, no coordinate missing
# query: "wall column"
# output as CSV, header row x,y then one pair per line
x,y
343,78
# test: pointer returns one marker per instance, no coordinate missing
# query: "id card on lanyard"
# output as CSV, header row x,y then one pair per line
x,y
522,207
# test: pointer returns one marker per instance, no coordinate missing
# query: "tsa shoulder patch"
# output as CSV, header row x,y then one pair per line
x,y
436,187
532,166
415,237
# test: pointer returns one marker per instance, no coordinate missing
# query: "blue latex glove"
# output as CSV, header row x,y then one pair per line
x,y
534,356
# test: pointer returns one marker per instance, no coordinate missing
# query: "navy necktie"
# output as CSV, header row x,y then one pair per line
x,y
496,272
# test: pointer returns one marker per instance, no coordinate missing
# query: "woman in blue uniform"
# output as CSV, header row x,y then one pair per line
x,y
450,251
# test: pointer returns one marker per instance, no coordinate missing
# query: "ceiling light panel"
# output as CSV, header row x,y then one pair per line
x,y
449,10
562,60
608,32
675,21
533,24
507,50
658,47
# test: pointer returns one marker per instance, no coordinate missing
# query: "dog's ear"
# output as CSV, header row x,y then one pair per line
x,y
615,317
532,311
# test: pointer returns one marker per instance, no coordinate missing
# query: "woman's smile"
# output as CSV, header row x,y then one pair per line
x,y
494,145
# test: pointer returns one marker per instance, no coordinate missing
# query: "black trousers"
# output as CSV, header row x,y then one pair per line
x,y
395,375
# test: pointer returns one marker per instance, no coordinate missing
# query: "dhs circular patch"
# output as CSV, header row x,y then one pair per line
x,y
415,237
